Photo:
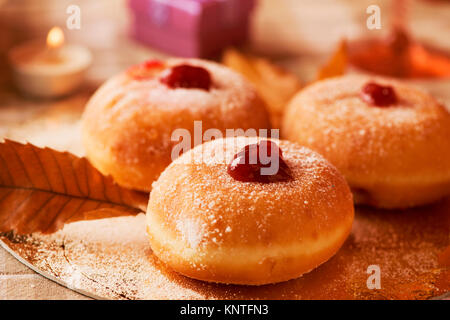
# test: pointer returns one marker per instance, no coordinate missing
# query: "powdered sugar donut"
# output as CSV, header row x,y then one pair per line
x,y
128,123
391,141
206,223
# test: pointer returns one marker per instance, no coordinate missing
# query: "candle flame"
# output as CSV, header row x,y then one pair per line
x,y
55,38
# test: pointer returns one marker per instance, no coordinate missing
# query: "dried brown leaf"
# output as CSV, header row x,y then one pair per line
x,y
275,85
337,64
42,189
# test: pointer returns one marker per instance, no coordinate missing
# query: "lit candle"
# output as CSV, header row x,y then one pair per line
x,y
49,70
55,40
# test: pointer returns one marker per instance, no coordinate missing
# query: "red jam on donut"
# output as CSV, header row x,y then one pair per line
x,y
186,76
145,70
378,95
248,163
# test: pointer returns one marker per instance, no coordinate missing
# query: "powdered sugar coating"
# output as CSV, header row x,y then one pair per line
x,y
407,143
128,123
198,211
222,203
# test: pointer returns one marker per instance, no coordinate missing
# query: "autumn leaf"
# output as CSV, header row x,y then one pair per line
x,y
275,85
42,189
337,64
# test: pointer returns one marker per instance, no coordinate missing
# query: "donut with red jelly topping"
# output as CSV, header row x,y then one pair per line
x,y
210,225
378,95
127,125
187,76
390,140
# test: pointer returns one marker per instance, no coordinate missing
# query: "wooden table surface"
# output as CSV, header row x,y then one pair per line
x,y
26,119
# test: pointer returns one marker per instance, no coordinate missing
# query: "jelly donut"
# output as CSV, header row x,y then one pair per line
x,y
391,141
220,220
128,123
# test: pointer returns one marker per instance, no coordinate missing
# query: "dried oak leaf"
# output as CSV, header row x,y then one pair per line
x,y
42,189
337,64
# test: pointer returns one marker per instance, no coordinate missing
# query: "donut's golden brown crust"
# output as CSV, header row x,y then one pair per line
x,y
208,226
392,157
127,124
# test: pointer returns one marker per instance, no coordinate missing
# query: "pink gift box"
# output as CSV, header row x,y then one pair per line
x,y
191,28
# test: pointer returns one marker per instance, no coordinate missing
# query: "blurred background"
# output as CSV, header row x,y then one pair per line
x,y
278,28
